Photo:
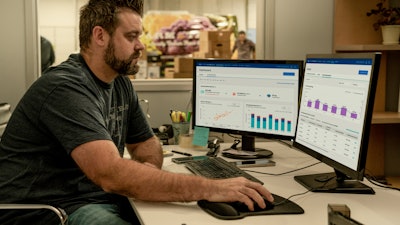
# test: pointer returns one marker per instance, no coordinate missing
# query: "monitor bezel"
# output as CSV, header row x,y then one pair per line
x,y
357,174
300,63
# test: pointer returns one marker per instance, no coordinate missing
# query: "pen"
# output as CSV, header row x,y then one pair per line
x,y
182,153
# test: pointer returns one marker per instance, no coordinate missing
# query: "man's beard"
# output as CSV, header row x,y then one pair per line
x,y
122,67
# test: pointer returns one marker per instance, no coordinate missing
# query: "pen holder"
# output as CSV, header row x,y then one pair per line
x,y
179,129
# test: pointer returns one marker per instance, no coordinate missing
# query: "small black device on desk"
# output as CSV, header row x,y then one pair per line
x,y
213,148
254,163
186,159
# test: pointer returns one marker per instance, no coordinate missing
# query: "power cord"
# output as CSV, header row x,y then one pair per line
x,y
375,181
303,193
291,171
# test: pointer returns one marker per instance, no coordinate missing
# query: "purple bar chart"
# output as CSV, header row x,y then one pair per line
x,y
334,109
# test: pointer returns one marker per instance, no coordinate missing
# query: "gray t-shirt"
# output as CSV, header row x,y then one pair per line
x,y
66,107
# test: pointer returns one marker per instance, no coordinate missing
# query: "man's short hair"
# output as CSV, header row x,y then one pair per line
x,y
103,13
242,32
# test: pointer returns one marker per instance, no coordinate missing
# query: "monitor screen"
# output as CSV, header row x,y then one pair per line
x,y
252,98
334,118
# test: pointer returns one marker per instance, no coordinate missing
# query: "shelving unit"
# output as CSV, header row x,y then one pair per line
x,y
353,32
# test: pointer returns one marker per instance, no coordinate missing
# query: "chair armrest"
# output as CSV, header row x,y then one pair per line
x,y
62,215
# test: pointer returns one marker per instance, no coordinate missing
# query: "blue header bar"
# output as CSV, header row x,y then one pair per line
x,y
248,64
353,61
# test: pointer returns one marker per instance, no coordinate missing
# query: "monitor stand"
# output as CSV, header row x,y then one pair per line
x,y
336,182
247,151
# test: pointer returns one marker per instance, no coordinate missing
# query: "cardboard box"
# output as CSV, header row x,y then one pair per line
x,y
169,72
215,54
144,55
183,75
202,55
211,46
222,55
219,36
183,64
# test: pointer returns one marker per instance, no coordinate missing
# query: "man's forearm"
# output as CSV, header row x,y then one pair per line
x,y
149,151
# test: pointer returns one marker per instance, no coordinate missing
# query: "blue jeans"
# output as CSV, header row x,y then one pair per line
x,y
97,214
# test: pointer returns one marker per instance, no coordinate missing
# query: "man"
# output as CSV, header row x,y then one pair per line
x,y
246,49
64,142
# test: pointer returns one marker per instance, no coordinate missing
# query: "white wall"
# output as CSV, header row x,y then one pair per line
x,y
164,95
19,43
303,27
290,29
58,21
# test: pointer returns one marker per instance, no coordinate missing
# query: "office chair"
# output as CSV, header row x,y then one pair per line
x,y
61,214
5,114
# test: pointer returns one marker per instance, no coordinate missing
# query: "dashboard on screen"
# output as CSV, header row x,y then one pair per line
x,y
336,110
248,97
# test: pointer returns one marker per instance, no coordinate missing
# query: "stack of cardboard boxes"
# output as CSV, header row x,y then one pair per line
x,y
214,44
183,67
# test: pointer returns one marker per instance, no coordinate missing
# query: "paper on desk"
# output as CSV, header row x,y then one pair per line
x,y
237,152
200,137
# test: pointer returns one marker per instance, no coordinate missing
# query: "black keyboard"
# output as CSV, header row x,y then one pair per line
x,y
217,168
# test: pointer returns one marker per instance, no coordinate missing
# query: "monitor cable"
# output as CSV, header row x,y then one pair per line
x,y
375,181
302,193
291,171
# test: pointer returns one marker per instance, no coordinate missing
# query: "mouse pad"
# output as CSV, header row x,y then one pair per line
x,y
225,211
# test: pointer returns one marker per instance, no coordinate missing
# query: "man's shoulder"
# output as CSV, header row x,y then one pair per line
x,y
72,70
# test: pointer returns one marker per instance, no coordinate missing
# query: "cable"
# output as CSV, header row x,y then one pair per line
x,y
278,174
288,198
298,194
374,181
234,137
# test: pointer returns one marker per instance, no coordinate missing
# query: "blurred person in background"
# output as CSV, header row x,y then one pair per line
x,y
246,49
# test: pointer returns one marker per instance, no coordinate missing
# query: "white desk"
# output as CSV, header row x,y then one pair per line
x,y
381,208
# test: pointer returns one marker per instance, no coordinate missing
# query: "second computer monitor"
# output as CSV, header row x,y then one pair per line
x,y
252,98
335,118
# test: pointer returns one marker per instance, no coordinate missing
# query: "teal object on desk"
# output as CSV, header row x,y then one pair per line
x,y
200,137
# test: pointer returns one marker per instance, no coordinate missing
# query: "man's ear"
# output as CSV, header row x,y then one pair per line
x,y
100,36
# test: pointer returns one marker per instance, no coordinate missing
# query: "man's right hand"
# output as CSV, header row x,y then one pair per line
x,y
239,189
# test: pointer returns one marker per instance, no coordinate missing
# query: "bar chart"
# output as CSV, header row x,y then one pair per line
x,y
270,122
333,108
344,102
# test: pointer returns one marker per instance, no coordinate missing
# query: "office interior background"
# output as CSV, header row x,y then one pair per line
x,y
284,29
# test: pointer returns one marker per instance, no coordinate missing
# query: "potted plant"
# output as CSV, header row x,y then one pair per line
x,y
388,20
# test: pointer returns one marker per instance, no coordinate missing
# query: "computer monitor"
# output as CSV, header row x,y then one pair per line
x,y
251,98
334,119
